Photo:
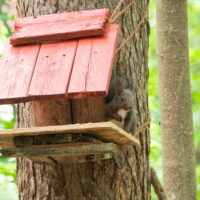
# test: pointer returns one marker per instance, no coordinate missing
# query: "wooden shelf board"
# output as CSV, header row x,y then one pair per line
x,y
61,150
105,131
67,159
63,154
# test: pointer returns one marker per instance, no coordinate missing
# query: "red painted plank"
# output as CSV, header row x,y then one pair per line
x,y
16,71
101,62
93,64
77,86
86,14
59,27
53,70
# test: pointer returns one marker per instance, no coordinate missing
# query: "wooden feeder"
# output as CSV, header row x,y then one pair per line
x,y
59,56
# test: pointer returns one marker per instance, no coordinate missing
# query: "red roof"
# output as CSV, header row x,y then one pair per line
x,y
70,69
57,27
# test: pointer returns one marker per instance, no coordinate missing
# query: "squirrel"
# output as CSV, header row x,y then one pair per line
x,y
121,107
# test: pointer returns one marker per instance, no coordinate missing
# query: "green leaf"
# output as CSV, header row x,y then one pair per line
x,y
3,16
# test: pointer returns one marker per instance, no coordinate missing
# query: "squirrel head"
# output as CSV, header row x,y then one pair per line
x,y
124,99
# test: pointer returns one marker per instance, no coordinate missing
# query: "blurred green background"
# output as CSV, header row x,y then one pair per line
x,y
8,188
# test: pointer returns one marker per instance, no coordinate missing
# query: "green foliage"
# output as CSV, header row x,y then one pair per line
x,y
5,17
8,188
8,168
3,2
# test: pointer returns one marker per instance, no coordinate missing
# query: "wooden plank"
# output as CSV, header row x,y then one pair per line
x,y
25,141
66,16
53,70
93,64
106,131
81,158
77,85
86,149
101,62
16,71
7,142
51,140
59,27
48,160
70,159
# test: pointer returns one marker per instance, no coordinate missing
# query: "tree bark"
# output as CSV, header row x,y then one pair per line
x,y
175,99
127,175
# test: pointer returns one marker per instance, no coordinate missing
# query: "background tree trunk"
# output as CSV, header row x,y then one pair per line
x,y
127,175
175,98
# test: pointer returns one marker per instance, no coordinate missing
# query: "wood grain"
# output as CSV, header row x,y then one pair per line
x,y
78,81
71,159
53,69
58,27
106,131
74,69
27,141
101,61
84,149
65,160
93,64
16,69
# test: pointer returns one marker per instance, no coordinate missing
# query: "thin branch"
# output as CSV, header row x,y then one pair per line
x,y
157,185
9,30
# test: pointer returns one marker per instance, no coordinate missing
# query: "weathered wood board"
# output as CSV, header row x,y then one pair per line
x,y
59,27
105,131
53,70
70,159
70,69
101,61
92,70
16,69
78,80
77,158
64,154
70,150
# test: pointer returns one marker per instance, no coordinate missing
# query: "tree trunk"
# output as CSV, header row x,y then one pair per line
x,y
175,99
127,175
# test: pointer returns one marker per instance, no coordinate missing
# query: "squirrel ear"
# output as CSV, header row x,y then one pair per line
x,y
117,83
119,89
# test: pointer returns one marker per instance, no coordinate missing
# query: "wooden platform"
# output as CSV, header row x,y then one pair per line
x,y
63,154
105,131
63,144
